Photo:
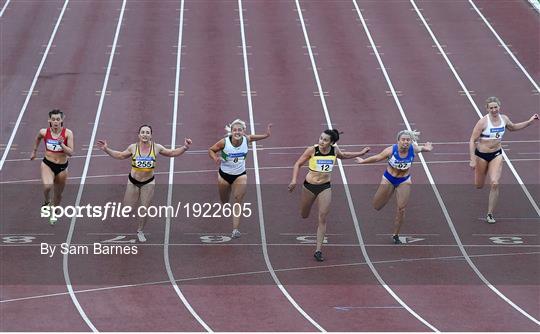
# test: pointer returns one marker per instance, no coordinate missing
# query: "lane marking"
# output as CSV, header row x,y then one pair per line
x,y
439,198
258,179
344,178
85,170
4,8
260,168
501,42
33,85
354,264
170,274
261,148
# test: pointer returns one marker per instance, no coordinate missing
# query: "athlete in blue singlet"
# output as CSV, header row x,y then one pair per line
x,y
396,178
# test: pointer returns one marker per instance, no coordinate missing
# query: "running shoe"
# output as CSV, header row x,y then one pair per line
x,y
318,256
490,219
396,240
235,234
52,220
140,236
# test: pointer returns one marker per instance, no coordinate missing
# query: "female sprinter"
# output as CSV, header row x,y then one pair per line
x,y
140,187
486,152
58,147
396,177
321,157
230,153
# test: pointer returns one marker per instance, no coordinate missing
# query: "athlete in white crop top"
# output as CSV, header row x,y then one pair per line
x,y
230,154
485,149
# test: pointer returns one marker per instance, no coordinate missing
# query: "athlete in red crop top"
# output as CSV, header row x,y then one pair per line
x,y
58,147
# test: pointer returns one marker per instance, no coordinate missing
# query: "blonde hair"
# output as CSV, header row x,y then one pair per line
x,y
229,127
493,99
415,135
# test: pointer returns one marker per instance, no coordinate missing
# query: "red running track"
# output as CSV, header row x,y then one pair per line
x,y
228,283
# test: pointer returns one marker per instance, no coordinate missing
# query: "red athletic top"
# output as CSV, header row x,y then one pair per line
x,y
53,145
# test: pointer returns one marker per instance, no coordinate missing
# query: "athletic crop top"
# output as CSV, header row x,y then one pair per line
x,y
233,159
322,163
143,163
53,145
398,162
492,132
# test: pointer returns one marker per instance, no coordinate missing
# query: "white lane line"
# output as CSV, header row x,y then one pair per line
x,y
4,8
506,47
226,244
436,191
281,148
170,274
32,86
258,180
191,279
345,182
469,97
85,170
442,162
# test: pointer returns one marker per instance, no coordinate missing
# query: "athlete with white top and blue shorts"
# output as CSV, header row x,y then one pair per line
x,y
230,153
397,178
486,152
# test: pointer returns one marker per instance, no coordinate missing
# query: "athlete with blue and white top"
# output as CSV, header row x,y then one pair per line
x,y
486,152
396,178
230,154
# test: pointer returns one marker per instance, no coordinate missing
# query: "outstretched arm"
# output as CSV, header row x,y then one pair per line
x,y
120,155
385,154
176,152
427,147
256,137
350,155
518,126
296,169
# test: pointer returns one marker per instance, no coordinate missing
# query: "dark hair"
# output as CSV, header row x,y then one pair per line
x,y
145,125
56,112
334,135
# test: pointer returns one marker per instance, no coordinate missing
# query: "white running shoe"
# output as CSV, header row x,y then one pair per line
x,y
140,236
235,234
490,219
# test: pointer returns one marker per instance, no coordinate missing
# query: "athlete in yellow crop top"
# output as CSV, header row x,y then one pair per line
x,y
140,188
322,158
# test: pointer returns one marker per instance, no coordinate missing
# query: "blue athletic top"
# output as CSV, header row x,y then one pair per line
x,y
398,162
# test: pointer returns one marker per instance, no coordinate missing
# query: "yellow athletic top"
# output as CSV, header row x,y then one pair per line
x,y
143,163
322,163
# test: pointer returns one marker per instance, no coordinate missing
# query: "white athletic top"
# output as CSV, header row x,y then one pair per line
x,y
492,132
233,159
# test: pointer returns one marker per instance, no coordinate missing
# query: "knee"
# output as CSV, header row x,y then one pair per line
x,y
495,185
322,217
479,185
304,214
376,206
48,186
401,210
